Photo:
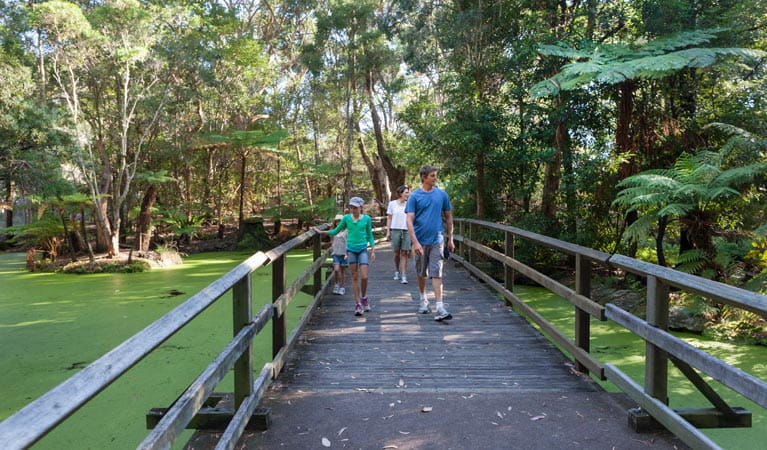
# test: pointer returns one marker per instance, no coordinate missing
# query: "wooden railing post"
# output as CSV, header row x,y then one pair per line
x,y
656,360
469,252
461,245
508,272
242,312
318,274
279,331
582,318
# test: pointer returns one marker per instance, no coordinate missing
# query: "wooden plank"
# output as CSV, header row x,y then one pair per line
x,y
279,360
582,302
213,418
747,385
281,304
185,408
656,359
703,387
660,411
578,353
582,319
297,241
242,312
279,329
32,422
241,418
741,298
563,246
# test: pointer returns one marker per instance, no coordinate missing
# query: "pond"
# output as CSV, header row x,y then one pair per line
x,y
52,325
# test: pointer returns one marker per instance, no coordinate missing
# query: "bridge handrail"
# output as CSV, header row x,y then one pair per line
x,y
38,418
661,346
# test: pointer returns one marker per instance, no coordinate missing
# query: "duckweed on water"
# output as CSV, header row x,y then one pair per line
x,y
53,324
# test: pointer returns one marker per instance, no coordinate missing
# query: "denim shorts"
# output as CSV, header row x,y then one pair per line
x,y
340,260
359,258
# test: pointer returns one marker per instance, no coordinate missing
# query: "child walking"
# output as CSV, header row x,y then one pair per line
x,y
358,239
339,259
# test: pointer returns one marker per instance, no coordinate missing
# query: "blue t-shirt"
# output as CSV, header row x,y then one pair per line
x,y
428,208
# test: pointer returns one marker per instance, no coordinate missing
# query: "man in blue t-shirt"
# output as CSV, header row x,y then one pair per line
x,y
425,209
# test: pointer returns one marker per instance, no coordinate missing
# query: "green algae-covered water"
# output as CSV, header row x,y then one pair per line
x,y
52,325
611,343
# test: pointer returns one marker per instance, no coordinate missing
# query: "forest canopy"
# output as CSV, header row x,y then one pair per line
x,y
635,127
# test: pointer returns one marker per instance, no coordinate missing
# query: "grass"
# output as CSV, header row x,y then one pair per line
x,y
611,343
52,325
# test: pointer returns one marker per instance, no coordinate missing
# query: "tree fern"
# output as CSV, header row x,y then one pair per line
x,y
617,63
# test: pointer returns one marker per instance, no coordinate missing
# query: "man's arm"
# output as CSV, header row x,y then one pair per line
x,y
449,228
411,231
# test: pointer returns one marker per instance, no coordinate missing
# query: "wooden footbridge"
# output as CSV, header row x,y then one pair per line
x,y
396,379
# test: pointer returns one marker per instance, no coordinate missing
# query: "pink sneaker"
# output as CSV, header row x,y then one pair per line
x,y
358,310
366,304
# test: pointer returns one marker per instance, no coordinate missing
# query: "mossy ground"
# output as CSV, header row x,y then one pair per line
x,y
53,324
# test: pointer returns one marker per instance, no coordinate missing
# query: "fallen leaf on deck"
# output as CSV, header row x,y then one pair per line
x,y
498,413
390,446
325,442
538,418
404,432
426,409
341,431
401,382
494,423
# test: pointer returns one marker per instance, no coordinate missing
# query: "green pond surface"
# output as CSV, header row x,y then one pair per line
x,y
611,343
52,325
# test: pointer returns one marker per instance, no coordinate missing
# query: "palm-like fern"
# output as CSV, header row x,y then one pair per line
x,y
689,192
615,63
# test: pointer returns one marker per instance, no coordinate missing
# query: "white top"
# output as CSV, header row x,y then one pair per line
x,y
398,217
339,243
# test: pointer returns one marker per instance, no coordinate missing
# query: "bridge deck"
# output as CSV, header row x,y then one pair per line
x,y
486,379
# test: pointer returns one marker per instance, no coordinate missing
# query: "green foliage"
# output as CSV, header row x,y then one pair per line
x,y
695,183
45,233
615,63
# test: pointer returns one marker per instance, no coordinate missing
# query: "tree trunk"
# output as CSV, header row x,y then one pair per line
x,y
241,216
377,174
396,176
662,223
553,171
480,185
9,202
145,220
84,231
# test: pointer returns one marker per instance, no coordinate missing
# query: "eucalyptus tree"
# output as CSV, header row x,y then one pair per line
x,y
104,69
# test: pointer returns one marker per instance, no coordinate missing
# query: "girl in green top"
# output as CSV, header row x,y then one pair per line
x,y
358,239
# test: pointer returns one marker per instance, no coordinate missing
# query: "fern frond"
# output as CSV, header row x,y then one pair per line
x,y
564,52
638,230
739,175
681,39
676,209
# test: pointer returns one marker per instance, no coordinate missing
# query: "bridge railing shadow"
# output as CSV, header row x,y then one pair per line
x,y
660,346
196,406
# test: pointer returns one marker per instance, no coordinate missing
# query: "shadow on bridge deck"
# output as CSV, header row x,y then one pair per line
x,y
397,379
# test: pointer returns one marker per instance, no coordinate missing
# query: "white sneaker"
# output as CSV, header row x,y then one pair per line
x,y
341,290
336,289
424,308
442,314
404,279
396,275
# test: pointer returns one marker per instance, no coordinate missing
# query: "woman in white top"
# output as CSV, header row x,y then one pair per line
x,y
396,232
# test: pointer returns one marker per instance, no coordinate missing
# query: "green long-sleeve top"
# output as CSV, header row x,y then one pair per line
x,y
360,232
